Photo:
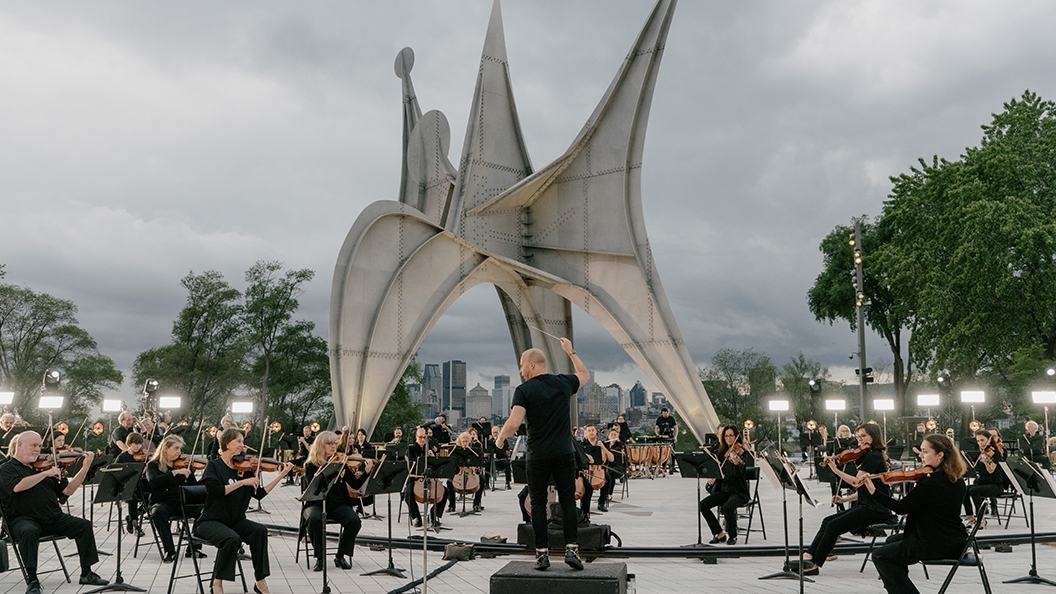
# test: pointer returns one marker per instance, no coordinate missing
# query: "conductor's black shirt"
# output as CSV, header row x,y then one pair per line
x,y
546,400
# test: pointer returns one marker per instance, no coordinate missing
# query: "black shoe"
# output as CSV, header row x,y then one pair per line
x,y
342,563
731,540
603,508
572,558
318,565
542,559
718,540
140,533
33,588
450,509
92,579
130,526
417,523
196,553
168,558
478,508
810,568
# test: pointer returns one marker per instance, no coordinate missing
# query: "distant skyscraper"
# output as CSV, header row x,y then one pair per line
x,y
501,381
501,397
478,404
638,394
454,390
432,388
593,408
613,396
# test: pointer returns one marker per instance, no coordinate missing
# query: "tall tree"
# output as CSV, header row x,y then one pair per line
x,y
205,359
401,409
737,382
795,381
271,300
39,331
299,390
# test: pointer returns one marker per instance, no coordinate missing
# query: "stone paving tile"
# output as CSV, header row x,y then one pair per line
x,y
660,512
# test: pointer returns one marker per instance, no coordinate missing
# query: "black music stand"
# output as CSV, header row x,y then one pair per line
x,y
785,477
118,483
520,471
474,460
439,468
317,490
388,477
1028,477
698,465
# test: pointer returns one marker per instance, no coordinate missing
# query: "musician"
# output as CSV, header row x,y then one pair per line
x,y
338,503
614,470
625,430
32,501
362,447
841,443
58,444
933,527
666,427
165,482
502,453
419,448
441,431
465,448
730,492
867,512
394,436
117,443
544,399
1033,445
990,479
134,453
226,422
223,522
590,439
7,421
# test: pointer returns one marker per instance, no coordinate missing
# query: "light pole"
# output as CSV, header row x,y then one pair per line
x,y
884,405
836,405
859,301
779,406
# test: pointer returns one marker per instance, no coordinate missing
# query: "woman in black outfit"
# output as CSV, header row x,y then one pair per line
x,y
730,492
933,523
868,511
165,482
465,448
338,504
223,521
990,481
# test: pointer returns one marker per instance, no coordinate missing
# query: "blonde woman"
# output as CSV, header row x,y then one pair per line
x,y
165,482
465,448
338,504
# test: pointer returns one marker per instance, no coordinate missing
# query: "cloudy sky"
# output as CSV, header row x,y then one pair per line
x,y
141,141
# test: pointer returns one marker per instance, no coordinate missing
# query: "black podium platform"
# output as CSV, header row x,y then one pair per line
x,y
519,577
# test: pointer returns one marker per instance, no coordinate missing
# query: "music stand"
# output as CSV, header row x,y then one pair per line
x,y
520,471
698,465
1028,477
440,469
388,477
784,476
317,490
118,483
475,460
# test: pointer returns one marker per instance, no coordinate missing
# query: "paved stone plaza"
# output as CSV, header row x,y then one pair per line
x,y
660,512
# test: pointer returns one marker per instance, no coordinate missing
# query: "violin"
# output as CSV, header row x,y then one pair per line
x,y
48,461
194,462
901,476
735,450
244,463
847,456
988,453
140,456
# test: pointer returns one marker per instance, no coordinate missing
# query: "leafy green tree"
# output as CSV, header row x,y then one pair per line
x,y
795,381
270,302
299,389
205,359
737,382
401,410
39,331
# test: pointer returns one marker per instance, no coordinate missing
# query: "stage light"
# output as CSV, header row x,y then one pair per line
x,y
815,386
974,425
1050,371
62,428
111,405
170,402
778,405
812,425
276,427
7,397
973,396
315,427
50,402
927,400
883,404
931,425
1044,397
52,379
835,404
150,386
243,408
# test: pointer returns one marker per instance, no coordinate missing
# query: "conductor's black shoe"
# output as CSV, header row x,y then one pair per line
x,y
542,559
342,563
718,540
92,579
602,507
318,565
572,557
33,588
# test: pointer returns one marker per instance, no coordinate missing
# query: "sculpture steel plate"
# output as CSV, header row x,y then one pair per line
x,y
570,233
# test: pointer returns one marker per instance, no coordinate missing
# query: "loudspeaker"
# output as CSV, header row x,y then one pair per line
x,y
520,577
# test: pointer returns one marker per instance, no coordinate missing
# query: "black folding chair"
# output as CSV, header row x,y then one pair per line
x,y
53,539
192,495
970,557
752,474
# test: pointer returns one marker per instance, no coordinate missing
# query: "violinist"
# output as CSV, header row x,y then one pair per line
x,y
859,517
226,422
614,470
841,443
338,504
418,449
223,521
464,449
117,443
730,491
363,449
990,479
32,501
165,481
58,444
134,453
933,527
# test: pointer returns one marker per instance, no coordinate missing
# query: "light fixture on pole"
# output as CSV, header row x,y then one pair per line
x,y
884,405
778,406
111,405
835,405
52,379
971,397
169,402
50,402
1045,397
927,401
243,408
6,398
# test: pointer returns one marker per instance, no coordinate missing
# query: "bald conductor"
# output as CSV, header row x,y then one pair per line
x,y
544,400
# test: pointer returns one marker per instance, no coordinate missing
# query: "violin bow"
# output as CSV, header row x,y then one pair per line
x,y
263,436
194,447
79,432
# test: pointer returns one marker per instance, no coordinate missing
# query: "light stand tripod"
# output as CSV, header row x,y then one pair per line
x,y
1027,476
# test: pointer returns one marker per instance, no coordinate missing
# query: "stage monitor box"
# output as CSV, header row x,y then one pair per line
x,y
520,577
591,537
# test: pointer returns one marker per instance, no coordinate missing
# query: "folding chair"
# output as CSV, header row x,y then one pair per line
x,y
53,539
752,474
191,495
969,557
877,529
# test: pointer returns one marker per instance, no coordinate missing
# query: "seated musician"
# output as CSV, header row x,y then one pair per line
x,y
591,441
133,453
841,443
223,522
394,436
32,501
625,430
117,445
338,503
165,482
420,448
933,527
226,422
363,449
464,448
990,479
614,470
729,492
502,454
441,431
1033,445
666,428
58,444
478,446
859,517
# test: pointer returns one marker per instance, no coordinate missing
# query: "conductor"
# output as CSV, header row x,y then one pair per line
x,y
544,399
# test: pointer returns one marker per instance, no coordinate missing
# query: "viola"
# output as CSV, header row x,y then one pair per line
x,y
195,462
847,456
735,450
901,476
354,463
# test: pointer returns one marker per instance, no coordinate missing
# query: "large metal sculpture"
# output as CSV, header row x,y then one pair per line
x,y
571,233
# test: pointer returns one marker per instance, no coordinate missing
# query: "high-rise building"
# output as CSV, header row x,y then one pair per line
x,y
593,408
432,389
454,388
638,395
613,398
501,397
478,404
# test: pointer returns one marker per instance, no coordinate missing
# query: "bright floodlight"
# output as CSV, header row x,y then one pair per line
x,y
50,402
1044,397
836,404
243,408
1050,371
111,405
7,397
883,404
973,396
778,405
927,399
169,402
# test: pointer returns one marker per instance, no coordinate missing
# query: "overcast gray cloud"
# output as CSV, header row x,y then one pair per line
x,y
139,141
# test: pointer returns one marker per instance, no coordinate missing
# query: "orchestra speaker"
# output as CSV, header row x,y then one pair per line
x,y
520,577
